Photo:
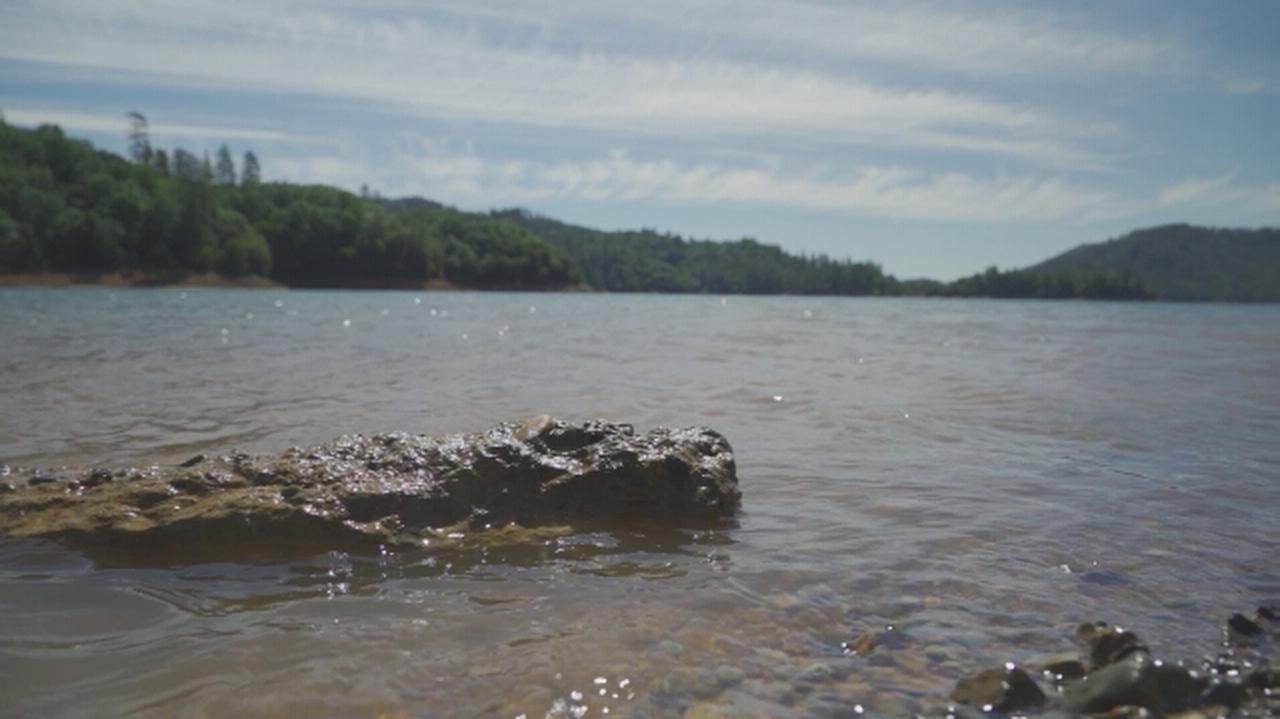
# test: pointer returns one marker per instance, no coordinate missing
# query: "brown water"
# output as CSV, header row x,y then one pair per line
x,y
979,475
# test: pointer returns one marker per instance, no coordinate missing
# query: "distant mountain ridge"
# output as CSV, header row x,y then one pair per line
x,y
1185,262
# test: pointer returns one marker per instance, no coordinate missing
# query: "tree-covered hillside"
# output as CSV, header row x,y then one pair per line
x,y
1184,262
65,206
647,261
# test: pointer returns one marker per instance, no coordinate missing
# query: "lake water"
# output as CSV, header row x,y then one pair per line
x,y
980,475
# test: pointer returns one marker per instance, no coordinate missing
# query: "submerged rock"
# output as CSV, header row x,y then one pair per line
x,y
1009,689
391,489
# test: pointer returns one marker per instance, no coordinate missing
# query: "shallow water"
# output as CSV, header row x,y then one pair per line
x,y
980,475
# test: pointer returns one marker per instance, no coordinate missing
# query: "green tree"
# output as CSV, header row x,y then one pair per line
x,y
250,173
225,170
139,139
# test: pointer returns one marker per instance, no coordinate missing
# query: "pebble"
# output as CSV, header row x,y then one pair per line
x,y
728,676
673,648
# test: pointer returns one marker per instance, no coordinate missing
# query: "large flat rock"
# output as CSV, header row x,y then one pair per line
x,y
389,489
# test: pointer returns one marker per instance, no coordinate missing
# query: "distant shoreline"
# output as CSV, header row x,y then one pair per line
x,y
212,280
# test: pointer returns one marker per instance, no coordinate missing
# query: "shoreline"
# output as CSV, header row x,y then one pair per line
x,y
213,280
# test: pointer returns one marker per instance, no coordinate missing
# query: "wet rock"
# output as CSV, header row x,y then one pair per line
x,y
1004,690
193,461
1242,628
1225,694
1112,645
391,490
1063,667
1179,688
705,710
1271,614
667,646
867,642
1131,681
728,676
6,487
1265,678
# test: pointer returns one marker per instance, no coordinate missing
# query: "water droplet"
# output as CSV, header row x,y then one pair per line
x,y
777,398
857,709
385,312
225,331
434,312
906,415
575,695
346,323
417,300
808,314
182,295
1010,666
600,681
532,309
279,303
724,300
464,335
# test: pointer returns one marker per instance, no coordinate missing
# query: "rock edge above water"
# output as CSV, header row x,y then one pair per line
x,y
389,489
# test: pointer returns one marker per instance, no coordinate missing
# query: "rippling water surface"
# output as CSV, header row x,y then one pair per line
x,y
979,475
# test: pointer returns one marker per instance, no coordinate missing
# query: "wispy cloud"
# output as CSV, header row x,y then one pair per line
x,y
883,191
1221,192
480,73
160,131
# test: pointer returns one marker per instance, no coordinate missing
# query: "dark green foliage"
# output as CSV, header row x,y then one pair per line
x,y
1183,262
1032,284
250,172
65,206
225,171
647,261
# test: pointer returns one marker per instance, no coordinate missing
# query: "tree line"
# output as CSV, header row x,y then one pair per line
x,y
648,261
65,206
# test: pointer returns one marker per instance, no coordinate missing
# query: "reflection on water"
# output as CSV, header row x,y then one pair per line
x,y
978,475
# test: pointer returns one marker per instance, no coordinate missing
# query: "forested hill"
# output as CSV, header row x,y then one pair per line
x,y
1184,262
66,207
648,261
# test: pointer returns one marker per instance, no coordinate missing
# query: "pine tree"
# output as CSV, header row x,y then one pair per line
x,y
139,139
250,173
225,172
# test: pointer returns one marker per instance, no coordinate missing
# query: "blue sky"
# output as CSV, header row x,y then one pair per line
x,y
936,139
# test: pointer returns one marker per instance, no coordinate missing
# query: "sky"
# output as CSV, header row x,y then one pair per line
x,y
936,139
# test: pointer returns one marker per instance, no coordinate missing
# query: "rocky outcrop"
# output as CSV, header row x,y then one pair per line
x,y
390,489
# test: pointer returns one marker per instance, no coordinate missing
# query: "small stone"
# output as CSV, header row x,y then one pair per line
x,y
194,461
1179,689
667,646
1131,681
1244,627
41,479
728,676
1064,667
1265,678
704,710
1108,647
1225,694
817,673
1004,690
862,646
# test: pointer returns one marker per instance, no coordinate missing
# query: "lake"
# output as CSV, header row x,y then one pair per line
x,y
980,475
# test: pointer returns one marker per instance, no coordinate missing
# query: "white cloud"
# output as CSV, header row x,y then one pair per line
x,y
98,122
1221,192
466,70
894,192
